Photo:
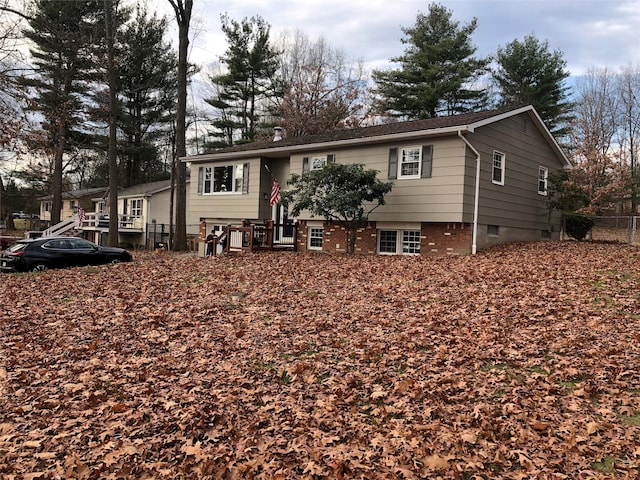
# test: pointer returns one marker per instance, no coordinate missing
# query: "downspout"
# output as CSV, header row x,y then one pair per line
x,y
474,234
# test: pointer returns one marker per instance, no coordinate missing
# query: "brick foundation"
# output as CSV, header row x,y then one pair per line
x,y
446,239
335,238
436,239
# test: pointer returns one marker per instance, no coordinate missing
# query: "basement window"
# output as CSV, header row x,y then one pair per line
x,y
493,230
399,242
315,238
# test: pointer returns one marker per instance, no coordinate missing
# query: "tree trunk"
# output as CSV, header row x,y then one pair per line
x,y
56,181
183,17
113,106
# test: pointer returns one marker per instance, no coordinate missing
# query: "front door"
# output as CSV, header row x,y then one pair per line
x,y
283,225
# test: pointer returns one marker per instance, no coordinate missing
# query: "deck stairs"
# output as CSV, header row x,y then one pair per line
x,y
62,227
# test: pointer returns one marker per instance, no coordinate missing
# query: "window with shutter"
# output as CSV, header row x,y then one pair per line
x,y
317,162
223,179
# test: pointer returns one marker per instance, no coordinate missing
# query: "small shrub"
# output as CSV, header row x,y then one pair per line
x,y
577,226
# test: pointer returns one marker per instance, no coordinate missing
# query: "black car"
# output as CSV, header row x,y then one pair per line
x,y
35,255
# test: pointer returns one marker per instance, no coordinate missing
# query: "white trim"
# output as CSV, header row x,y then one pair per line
x,y
399,244
536,117
309,237
323,146
503,167
401,155
476,198
394,137
234,179
542,168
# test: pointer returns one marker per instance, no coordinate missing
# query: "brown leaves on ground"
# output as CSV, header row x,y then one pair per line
x,y
520,362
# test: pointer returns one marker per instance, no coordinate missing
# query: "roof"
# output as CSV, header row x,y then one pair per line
x,y
145,189
464,123
84,192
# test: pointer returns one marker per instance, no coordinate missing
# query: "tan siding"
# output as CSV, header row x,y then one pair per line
x,y
159,207
231,206
435,199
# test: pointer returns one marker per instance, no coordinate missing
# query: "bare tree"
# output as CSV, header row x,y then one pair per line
x,y
320,88
12,95
629,121
182,9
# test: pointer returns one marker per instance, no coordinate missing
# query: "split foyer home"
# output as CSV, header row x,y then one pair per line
x,y
143,216
71,201
461,183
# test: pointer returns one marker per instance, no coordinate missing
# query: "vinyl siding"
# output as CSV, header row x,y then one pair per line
x,y
434,199
159,207
225,206
517,203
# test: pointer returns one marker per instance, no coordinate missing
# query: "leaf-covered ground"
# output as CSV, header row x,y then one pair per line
x,y
520,362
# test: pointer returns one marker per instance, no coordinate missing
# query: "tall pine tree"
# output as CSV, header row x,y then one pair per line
x,y
148,96
437,70
528,73
248,81
64,35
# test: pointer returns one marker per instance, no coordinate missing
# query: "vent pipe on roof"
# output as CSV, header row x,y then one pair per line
x,y
277,134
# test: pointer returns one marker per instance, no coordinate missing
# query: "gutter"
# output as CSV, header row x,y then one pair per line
x,y
279,150
474,235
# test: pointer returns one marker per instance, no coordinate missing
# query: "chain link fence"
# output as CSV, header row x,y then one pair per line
x,y
616,229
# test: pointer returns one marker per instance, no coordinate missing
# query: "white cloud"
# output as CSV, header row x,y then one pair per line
x,y
590,33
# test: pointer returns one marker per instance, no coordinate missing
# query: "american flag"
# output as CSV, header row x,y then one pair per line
x,y
81,215
275,193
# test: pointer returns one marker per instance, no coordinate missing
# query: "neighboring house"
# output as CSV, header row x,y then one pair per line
x,y
70,202
461,183
143,215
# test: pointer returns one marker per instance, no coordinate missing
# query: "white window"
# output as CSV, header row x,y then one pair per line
x,y
223,179
317,163
135,208
497,174
409,162
315,238
543,175
405,242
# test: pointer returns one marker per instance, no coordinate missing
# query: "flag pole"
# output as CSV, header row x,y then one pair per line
x,y
266,167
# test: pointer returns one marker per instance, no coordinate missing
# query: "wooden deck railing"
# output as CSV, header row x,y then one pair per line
x,y
256,237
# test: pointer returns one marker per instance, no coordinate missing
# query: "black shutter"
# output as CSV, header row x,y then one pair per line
x,y
427,161
393,163
200,179
305,164
245,178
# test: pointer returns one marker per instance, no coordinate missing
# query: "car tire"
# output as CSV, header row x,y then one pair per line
x,y
40,267
115,260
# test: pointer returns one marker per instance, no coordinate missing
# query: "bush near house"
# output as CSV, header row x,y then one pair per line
x,y
578,226
520,362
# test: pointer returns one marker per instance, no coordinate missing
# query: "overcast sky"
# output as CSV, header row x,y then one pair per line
x,y
590,33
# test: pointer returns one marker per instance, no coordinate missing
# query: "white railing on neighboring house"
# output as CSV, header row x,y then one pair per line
x,y
62,227
99,220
